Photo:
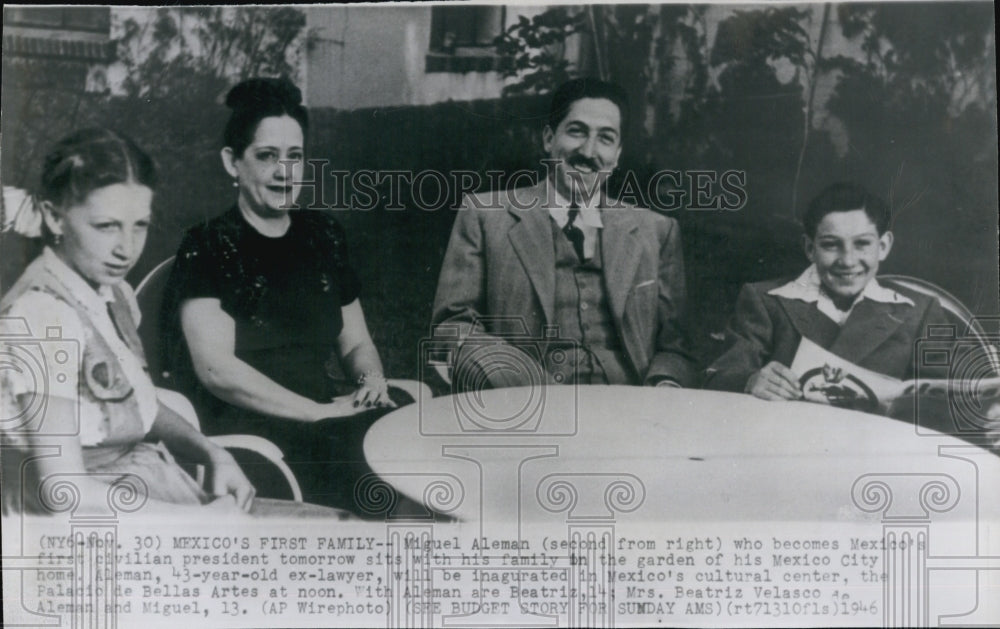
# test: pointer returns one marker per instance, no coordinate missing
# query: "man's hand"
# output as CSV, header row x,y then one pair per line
x,y
774,382
225,478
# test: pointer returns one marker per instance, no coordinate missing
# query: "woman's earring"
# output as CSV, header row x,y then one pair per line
x,y
236,182
56,239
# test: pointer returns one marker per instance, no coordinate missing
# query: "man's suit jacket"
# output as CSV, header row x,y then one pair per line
x,y
501,263
877,336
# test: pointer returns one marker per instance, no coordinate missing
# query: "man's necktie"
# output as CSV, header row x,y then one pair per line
x,y
574,233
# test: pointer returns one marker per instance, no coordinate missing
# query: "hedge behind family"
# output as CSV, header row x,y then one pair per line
x,y
263,329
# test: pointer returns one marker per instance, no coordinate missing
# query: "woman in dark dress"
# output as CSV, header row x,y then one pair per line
x,y
262,308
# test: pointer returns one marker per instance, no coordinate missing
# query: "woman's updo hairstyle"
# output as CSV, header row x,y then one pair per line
x,y
255,99
90,159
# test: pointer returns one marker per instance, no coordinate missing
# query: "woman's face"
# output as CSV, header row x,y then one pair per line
x,y
102,237
270,170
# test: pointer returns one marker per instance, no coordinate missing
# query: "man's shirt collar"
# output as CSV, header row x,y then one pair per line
x,y
808,288
589,216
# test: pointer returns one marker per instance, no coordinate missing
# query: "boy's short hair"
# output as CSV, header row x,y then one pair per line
x,y
845,197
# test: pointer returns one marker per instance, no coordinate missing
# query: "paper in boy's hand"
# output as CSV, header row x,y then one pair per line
x,y
829,379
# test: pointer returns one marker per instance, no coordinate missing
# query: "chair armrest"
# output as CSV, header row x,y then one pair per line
x,y
257,444
178,403
264,448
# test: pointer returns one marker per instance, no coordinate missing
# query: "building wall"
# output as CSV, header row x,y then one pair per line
x,y
350,66
372,56
56,48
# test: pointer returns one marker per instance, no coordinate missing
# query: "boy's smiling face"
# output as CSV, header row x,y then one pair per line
x,y
847,250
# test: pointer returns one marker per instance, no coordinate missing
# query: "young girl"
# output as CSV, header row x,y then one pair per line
x,y
79,379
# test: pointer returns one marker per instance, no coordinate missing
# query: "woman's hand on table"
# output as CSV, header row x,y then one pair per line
x,y
373,392
774,382
365,398
340,406
226,480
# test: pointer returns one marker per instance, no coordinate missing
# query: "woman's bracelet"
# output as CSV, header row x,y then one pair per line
x,y
368,376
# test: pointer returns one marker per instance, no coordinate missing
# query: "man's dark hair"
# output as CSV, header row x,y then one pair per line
x,y
572,91
845,197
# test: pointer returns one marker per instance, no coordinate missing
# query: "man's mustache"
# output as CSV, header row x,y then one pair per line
x,y
580,160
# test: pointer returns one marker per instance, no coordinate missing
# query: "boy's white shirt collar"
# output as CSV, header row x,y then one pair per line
x,y
807,288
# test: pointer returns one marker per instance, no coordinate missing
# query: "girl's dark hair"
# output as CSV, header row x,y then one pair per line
x,y
90,159
256,99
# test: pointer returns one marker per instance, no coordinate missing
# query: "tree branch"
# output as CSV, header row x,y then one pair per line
x,y
810,101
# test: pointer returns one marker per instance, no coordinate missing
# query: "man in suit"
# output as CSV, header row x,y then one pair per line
x,y
556,283
836,303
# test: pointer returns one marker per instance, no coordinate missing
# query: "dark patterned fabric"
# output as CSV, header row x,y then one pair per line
x,y
285,295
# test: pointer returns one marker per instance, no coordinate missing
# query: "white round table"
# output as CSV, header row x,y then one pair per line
x,y
658,454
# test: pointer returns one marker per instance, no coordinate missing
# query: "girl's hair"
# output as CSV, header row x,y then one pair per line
x,y
90,159
256,99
